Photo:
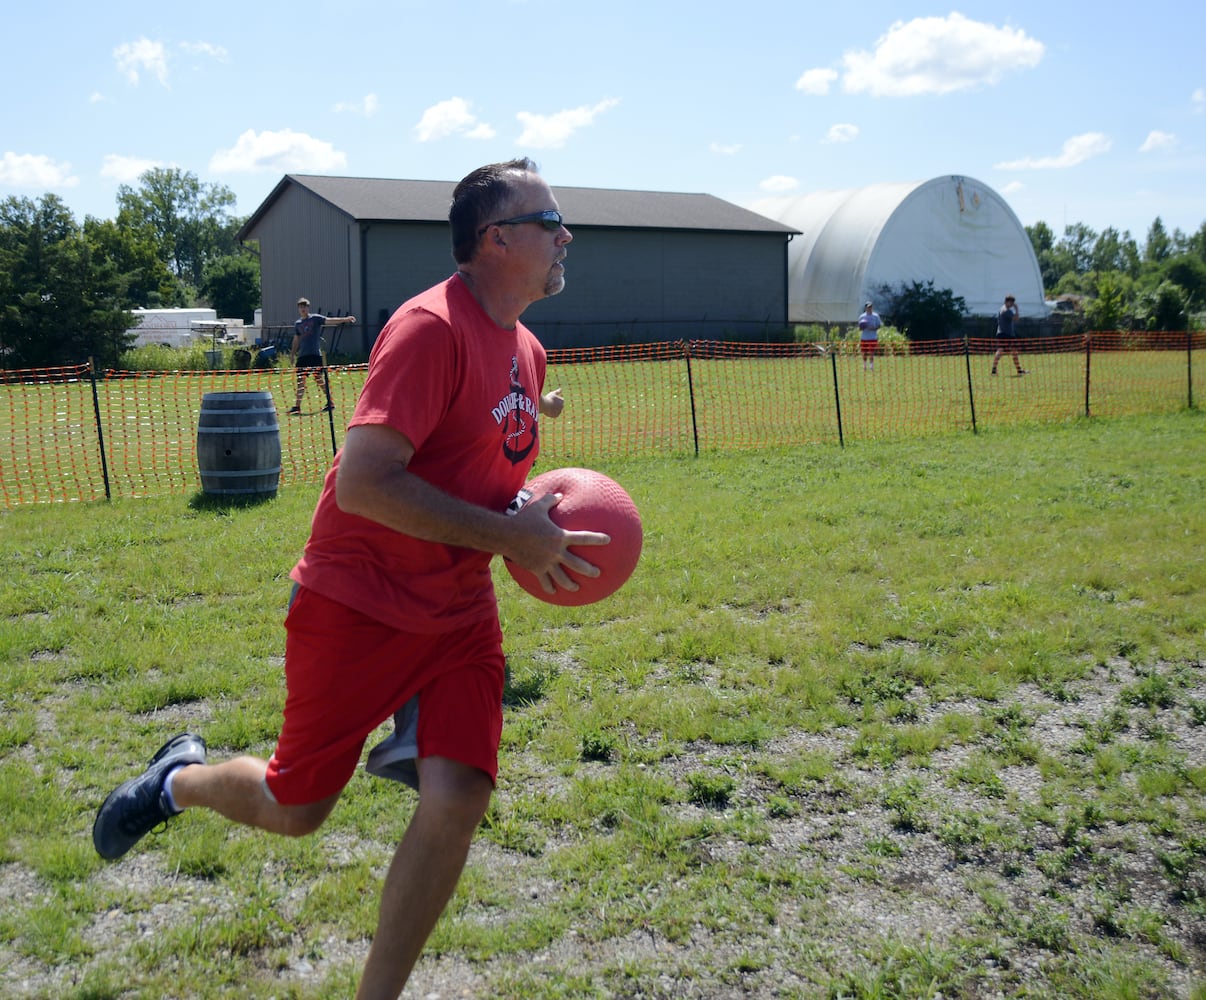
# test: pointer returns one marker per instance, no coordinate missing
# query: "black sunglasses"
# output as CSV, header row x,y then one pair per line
x,y
551,221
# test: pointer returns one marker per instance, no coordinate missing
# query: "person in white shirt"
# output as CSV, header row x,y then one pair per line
x,y
868,336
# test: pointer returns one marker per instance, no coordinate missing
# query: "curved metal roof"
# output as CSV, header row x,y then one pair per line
x,y
955,231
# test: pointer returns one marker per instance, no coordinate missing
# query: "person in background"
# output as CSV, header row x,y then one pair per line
x,y
868,336
306,352
1006,334
394,611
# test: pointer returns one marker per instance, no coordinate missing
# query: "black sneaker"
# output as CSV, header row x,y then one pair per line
x,y
136,807
329,408
295,411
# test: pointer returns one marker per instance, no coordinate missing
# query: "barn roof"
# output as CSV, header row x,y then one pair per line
x,y
378,199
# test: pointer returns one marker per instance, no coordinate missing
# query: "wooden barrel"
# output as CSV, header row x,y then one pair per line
x,y
238,443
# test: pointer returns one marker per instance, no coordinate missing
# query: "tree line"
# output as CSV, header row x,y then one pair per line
x,y
1099,281
66,288
1113,283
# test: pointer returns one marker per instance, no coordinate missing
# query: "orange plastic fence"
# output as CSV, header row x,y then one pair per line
x,y
66,435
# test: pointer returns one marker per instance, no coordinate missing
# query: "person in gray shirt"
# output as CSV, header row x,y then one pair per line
x,y
306,352
1005,334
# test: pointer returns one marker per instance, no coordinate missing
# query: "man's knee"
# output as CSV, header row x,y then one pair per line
x,y
457,793
301,821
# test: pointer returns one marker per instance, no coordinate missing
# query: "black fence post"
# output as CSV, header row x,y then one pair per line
x,y
686,347
837,396
971,395
326,384
1088,366
1189,364
100,430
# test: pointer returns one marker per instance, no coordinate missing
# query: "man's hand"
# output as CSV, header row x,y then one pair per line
x,y
543,546
551,404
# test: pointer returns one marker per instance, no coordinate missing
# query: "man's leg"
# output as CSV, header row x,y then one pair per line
x,y
236,789
301,390
178,777
425,870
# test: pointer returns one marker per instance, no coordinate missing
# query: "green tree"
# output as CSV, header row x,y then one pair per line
x,y
1162,308
60,300
1077,245
190,220
1158,247
145,281
923,312
1107,310
232,285
1114,251
1042,238
1196,243
1052,264
1187,271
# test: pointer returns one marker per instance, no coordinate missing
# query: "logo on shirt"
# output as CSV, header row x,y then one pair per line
x,y
516,414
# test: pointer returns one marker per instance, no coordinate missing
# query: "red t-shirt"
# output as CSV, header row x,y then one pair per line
x,y
466,393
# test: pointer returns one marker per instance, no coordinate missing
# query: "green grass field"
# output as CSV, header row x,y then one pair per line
x,y
919,717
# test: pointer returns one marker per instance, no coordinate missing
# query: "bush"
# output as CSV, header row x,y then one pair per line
x,y
923,312
194,358
845,340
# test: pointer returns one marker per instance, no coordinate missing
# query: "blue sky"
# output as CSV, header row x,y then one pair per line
x,y
1070,111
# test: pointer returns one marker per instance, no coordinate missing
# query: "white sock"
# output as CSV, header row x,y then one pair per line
x,y
167,789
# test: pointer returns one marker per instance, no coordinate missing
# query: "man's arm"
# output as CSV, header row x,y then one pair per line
x,y
373,482
338,320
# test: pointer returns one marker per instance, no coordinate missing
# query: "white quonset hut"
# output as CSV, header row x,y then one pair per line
x,y
954,231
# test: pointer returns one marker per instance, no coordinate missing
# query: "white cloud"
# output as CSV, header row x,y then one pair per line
x,y
96,97
216,52
1157,140
938,55
725,150
779,183
366,106
26,170
841,133
451,117
1199,100
1075,151
1013,187
816,81
127,169
141,56
285,151
552,131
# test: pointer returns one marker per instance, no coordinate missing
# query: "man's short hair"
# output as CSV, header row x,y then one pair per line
x,y
479,199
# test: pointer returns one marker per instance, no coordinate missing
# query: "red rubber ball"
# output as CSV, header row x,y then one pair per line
x,y
590,501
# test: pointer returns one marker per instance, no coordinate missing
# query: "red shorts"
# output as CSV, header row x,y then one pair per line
x,y
346,673
868,346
